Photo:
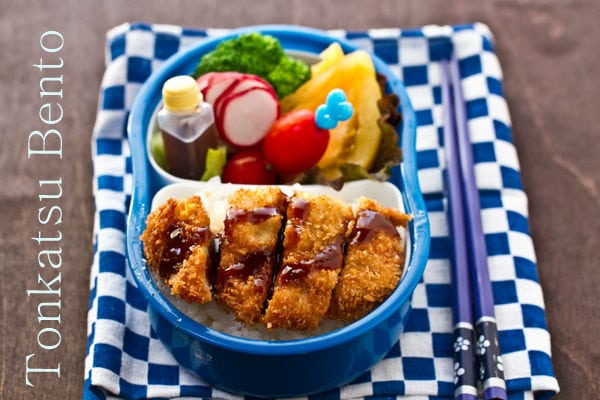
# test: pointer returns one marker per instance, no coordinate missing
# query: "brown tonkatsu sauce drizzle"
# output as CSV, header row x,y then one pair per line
x,y
256,216
368,223
300,209
331,257
297,213
253,264
179,242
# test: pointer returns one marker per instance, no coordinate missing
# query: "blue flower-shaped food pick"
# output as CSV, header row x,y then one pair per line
x,y
335,109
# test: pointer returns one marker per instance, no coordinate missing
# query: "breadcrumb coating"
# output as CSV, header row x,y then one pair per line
x,y
177,245
249,250
286,262
316,228
373,263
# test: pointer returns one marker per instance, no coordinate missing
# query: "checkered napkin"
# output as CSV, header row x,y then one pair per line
x,y
125,358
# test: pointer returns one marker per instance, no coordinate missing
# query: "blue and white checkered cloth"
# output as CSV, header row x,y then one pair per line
x,y
126,360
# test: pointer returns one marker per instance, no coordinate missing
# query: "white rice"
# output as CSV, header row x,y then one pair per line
x,y
217,317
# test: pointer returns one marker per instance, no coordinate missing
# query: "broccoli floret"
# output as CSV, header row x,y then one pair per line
x,y
257,54
251,53
288,75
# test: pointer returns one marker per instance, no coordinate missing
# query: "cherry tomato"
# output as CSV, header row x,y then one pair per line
x,y
294,143
249,167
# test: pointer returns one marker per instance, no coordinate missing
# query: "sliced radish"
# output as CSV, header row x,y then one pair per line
x,y
218,85
247,82
244,84
245,105
244,118
234,89
203,81
259,80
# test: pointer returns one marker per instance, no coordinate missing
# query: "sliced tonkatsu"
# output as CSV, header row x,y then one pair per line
x,y
288,262
313,245
249,250
178,245
373,263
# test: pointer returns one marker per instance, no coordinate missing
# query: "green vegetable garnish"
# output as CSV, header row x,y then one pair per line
x,y
215,162
257,54
157,148
288,75
215,158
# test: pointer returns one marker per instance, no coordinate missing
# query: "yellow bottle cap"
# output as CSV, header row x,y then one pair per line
x,y
181,93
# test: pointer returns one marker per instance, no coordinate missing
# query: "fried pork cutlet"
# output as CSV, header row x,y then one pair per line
x,y
373,263
314,237
177,245
249,250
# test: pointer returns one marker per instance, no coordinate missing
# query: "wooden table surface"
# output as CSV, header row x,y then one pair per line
x,y
549,53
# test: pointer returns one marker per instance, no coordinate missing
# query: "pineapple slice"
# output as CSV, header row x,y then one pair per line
x,y
329,57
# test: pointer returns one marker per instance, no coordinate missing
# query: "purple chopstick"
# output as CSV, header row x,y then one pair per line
x,y
465,376
488,351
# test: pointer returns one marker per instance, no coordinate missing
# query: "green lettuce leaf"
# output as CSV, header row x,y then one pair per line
x,y
157,148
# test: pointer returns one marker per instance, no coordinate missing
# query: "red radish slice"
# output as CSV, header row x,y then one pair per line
x,y
236,88
218,86
244,84
259,80
213,85
250,96
248,81
204,81
244,118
